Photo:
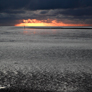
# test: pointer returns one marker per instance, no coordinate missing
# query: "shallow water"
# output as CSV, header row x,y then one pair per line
x,y
47,49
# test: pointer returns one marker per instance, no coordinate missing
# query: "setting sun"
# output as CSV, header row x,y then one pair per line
x,y
35,22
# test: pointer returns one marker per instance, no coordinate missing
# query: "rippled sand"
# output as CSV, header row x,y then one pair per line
x,y
50,50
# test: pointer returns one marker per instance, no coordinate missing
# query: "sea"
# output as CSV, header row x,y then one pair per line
x,y
45,49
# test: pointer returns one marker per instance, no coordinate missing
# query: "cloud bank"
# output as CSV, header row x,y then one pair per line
x,y
67,11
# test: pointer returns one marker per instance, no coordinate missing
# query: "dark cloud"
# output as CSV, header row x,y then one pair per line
x,y
43,12
78,12
59,4
13,11
43,4
12,4
9,22
67,11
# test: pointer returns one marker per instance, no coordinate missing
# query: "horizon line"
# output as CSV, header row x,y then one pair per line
x,y
57,27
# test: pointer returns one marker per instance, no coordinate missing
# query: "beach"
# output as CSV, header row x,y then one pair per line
x,y
53,59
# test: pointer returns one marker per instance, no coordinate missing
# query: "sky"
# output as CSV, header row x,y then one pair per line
x,y
45,12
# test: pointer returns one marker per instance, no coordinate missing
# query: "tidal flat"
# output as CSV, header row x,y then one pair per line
x,y
45,60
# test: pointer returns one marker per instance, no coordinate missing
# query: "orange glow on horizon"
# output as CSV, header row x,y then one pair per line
x,y
34,22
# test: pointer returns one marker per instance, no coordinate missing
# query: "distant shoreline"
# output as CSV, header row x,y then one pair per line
x,y
58,27
52,27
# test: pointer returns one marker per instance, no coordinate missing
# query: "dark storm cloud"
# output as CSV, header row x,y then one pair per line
x,y
9,22
43,12
12,4
13,11
67,11
8,19
43,4
78,12
59,4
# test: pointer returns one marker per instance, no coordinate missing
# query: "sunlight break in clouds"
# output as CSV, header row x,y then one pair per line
x,y
35,22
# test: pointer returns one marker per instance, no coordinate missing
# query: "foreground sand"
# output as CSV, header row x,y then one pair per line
x,y
45,81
